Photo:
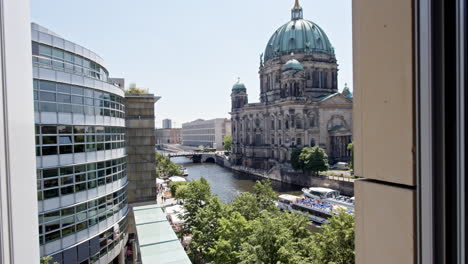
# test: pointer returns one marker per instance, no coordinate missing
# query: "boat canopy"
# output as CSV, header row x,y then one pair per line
x,y
288,197
322,192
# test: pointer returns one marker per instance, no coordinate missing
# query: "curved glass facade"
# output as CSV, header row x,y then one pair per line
x,y
80,149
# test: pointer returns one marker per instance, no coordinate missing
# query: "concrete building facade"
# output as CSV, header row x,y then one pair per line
x,y
80,153
207,133
168,136
141,142
299,101
167,124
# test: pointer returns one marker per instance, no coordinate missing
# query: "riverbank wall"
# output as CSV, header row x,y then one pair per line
x,y
343,184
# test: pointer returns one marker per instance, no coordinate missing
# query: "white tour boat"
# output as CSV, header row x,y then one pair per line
x,y
330,196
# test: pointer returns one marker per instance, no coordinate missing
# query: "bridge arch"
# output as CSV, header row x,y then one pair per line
x,y
209,160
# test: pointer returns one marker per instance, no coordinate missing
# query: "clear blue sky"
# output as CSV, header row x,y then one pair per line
x,y
190,52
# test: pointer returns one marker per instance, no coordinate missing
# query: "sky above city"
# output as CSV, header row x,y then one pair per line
x,y
190,52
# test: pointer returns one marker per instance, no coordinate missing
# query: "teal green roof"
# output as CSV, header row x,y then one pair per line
x,y
238,85
298,36
292,64
157,240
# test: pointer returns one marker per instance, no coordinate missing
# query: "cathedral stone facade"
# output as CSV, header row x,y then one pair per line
x,y
300,105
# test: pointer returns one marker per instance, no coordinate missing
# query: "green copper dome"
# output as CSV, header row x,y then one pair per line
x,y
298,36
238,85
292,64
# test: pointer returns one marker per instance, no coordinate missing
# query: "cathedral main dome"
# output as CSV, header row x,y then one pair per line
x,y
298,36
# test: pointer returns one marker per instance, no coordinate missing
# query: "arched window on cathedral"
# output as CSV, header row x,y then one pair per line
x,y
286,124
272,123
299,123
312,121
312,142
279,124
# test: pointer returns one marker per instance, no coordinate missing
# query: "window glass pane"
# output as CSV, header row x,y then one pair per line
x,y
45,50
51,183
51,193
63,98
64,129
79,129
66,149
45,96
49,150
63,88
66,180
77,90
68,56
77,109
47,86
77,100
49,130
88,93
57,53
47,140
65,108
88,101
48,107
79,148
52,236
66,170
47,173
65,140
89,110
67,190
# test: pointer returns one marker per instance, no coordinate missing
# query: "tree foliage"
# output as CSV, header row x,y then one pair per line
x,y
46,260
312,159
133,89
351,148
227,142
252,230
165,167
175,189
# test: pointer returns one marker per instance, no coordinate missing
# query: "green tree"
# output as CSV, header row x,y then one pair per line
x,y
46,260
205,230
351,148
314,159
265,195
335,243
195,196
233,231
133,89
165,167
175,186
296,162
227,142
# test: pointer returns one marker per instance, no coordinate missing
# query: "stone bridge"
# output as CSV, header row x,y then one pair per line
x,y
196,157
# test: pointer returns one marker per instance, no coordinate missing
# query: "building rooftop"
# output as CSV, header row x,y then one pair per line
x,y
157,240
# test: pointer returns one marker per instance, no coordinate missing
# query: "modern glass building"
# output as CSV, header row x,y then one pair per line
x,y
80,153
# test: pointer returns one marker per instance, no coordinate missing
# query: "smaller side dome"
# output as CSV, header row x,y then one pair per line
x,y
292,64
238,85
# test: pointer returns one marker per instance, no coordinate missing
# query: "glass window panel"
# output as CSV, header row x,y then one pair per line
x,y
55,215
68,231
89,110
47,86
52,236
88,101
79,129
79,148
65,108
79,139
45,96
68,56
77,90
51,193
51,150
66,149
67,190
78,60
90,138
65,129
81,216
45,50
63,88
77,100
35,48
57,64
91,166
47,173
48,107
65,140
91,175
63,98
48,140
50,183
81,226
57,53
88,93
90,147
66,221
80,177
80,168
68,211
77,109
66,170
81,207
99,129
89,130
67,180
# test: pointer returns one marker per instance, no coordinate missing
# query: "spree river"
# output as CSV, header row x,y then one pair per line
x,y
226,183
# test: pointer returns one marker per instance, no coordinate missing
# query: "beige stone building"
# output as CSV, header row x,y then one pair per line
x,y
168,136
299,106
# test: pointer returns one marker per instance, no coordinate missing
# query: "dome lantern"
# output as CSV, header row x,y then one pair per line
x,y
238,85
296,12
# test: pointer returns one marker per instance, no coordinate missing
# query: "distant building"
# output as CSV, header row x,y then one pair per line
x,y
168,136
207,133
167,124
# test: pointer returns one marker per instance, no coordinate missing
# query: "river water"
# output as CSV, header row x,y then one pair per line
x,y
228,184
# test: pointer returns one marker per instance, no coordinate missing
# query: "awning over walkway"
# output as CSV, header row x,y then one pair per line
x,y
157,241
